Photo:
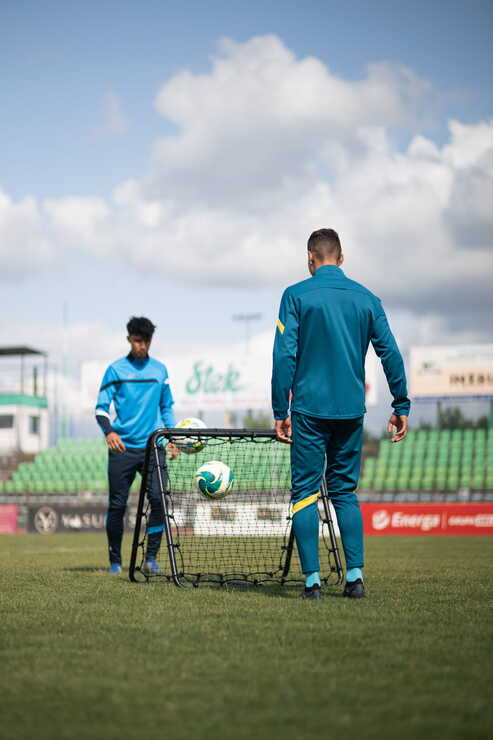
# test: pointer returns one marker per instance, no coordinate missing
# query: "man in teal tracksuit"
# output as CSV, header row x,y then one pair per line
x,y
324,328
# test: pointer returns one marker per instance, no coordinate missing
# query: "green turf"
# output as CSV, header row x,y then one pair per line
x,y
88,655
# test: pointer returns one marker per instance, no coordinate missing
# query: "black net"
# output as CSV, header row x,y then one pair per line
x,y
244,537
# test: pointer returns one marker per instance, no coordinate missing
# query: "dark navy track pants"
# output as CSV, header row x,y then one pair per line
x,y
122,469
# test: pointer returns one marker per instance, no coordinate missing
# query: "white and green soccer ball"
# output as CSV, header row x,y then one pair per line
x,y
214,479
190,445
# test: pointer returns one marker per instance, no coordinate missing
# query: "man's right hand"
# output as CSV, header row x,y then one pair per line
x,y
114,442
400,424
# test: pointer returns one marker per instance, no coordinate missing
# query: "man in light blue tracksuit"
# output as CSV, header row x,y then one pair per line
x,y
138,387
324,328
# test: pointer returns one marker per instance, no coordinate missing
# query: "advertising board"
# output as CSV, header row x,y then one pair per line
x,y
8,518
427,519
451,372
54,518
378,519
223,377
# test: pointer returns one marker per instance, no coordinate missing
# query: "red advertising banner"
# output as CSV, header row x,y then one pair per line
x,y
8,518
423,519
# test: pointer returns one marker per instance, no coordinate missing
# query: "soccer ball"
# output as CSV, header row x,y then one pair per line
x,y
214,479
190,445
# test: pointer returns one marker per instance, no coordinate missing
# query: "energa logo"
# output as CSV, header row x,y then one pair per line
x,y
380,519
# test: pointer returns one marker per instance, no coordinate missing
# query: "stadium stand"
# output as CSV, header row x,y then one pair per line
x,y
79,466
432,460
72,467
429,461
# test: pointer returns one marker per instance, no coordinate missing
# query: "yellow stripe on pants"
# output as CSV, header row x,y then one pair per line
x,y
299,505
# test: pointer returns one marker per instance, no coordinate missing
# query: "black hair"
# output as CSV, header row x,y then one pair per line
x,y
141,327
325,243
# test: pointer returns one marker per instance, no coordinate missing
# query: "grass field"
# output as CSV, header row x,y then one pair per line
x,y
88,655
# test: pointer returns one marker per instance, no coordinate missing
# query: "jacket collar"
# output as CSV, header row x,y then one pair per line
x,y
326,270
136,361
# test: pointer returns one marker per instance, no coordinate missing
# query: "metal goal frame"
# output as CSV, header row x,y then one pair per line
x,y
333,574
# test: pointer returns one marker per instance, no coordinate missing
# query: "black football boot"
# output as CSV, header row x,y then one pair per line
x,y
314,592
354,589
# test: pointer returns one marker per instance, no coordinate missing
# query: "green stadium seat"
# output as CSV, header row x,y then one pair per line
x,y
428,460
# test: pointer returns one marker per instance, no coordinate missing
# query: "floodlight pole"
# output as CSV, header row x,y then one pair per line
x,y
247,319
22,375
64,425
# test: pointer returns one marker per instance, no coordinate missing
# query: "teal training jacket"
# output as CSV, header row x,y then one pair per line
x,y
324,328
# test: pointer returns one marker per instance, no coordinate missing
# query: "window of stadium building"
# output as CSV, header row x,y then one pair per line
x,y
34,426
6,421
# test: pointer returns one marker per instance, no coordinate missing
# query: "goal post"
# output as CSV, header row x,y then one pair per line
x,y
244,538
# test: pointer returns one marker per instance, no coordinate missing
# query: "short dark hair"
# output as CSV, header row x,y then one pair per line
x,y
141,327
325,243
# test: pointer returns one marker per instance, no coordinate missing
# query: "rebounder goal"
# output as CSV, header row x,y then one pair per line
x,y
244,538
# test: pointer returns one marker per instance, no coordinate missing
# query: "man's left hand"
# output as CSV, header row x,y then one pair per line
x,y
173,450
283,429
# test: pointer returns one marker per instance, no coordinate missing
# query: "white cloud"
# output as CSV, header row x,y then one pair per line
x,y
267,148
262,116
25,245
83,217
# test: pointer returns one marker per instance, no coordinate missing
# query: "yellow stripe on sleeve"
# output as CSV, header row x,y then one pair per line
x,y
280,326
299,505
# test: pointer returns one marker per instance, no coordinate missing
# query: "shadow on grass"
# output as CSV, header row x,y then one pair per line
x,y
289,590
292,592
271,590
89,569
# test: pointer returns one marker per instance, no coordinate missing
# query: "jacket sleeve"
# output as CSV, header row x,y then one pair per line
x,y
284,355
387,350
106,394
166,404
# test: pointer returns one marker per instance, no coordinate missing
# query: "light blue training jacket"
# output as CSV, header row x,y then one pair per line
x,y
325,326
140,392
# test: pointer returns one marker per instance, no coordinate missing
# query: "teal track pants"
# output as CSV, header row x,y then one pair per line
x,y
339,442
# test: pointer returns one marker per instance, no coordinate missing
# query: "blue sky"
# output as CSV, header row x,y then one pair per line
x,y
60,58
136,179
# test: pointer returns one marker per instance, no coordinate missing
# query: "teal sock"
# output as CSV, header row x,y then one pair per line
x,y
312,578
353,574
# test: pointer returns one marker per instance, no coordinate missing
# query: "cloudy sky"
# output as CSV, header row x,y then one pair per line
x,y
171,158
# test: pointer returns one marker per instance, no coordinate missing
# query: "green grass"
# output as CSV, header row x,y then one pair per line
x,y
88,655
